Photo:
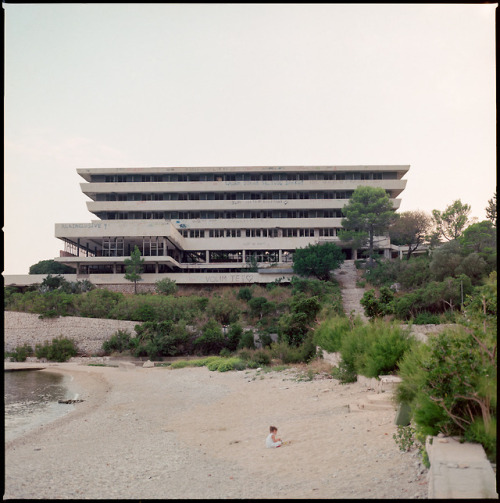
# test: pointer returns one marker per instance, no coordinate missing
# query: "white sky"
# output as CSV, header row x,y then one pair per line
x,y
101,85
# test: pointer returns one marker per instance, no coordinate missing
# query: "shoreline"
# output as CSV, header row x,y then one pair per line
x,y
76,384
191,433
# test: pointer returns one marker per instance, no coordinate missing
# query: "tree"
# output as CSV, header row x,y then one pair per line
x,y
491,209
50,267
410,228
452,221
368,212
445,260
317,260
134,267
480,237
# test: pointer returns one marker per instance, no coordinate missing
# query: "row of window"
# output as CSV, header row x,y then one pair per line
x,y
216,215
225,196
256,233
250,177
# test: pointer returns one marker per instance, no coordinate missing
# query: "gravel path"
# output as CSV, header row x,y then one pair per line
x,y
347,276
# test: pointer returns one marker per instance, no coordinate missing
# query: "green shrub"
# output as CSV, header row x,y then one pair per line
x,y
260,307
450,383
294,327
230,364
426,318
374,348
247,340
119,342
261,357
344,373
383,354
180,364
329,334
59,350
233,336
291,354
223,309
211,340
164,338
20,353
266,340
166,286
245,293
98,303
376,307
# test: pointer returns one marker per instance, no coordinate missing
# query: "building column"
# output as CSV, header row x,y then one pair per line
x,y
355,254
280,256
207,257
243,256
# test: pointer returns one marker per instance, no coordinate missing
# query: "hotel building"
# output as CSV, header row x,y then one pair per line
x,y
214,224
205,225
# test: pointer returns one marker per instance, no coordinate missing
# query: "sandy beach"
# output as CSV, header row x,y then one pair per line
x,y
158,433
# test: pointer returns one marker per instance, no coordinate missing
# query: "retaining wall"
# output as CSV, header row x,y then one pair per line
x,y
87,333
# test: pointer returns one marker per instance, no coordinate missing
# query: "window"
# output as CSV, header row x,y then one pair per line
x,y
328,232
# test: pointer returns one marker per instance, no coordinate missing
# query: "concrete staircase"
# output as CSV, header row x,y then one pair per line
x,y
347,276
383,398
382,401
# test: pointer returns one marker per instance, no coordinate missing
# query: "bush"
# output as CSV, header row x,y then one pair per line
x,y
450,383
98,303
233,336
164,338
261,357
266,340
260,306
374,348
211,341
247,340
293,354
245,293
375,307
426,318
20,353
294,327
223,309
329,334
59,350
166,286
344,373
119,341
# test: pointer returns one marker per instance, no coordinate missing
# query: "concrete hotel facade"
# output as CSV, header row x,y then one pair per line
x,y
213,224
202,225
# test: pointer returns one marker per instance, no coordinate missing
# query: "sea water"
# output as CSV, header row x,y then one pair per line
x,y
31,400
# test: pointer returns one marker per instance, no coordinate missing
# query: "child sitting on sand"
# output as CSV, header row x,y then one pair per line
x,y
272,440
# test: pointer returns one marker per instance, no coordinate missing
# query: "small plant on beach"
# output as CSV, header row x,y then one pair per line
x,y
405,438
344,373
59,350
